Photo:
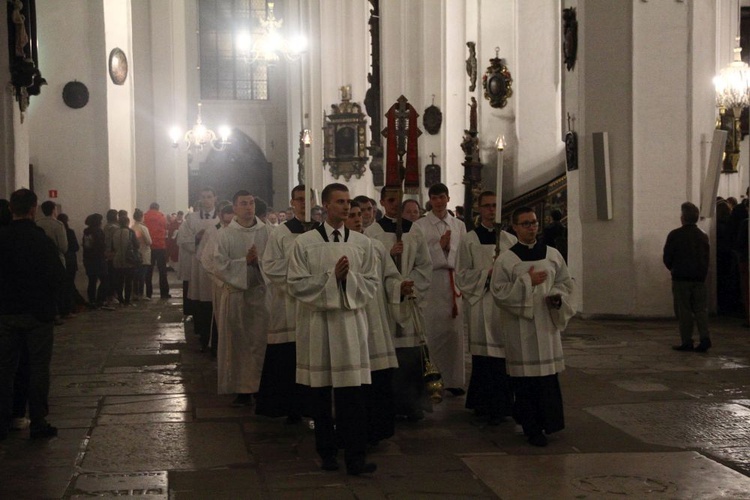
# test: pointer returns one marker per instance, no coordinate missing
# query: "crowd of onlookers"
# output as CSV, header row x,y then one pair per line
x,y
732,256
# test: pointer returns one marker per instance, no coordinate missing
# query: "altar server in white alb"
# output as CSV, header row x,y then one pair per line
x,y
199,287
333,276
532,287
279,394
410,398
489,394
442,306
242,314
392,289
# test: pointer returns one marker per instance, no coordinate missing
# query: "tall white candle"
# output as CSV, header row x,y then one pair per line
x,y
499,181
307,141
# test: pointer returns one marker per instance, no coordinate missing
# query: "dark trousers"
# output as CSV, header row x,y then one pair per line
x,y
124,283
691,306
539,406
379,402
489,391
158,259
139,279
16,332
203,315
96,297
350,423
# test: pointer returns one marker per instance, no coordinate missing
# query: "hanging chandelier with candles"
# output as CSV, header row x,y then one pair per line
x,y
269,45
200,136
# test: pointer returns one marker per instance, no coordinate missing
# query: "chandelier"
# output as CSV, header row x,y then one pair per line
x,y
733,84
269,45
200,136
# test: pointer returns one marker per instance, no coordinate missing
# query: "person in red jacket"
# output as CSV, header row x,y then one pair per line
x,y
156,222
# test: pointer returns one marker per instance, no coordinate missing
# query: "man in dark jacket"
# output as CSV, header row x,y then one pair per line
x,y
686,255
31,274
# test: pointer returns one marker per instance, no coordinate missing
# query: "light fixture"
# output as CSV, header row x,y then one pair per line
x,y
200,136
732,95
268,46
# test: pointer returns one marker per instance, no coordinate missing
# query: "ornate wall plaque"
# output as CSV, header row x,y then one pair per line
x,y
345,138
432,119
497,82
118,66
431,173
570,37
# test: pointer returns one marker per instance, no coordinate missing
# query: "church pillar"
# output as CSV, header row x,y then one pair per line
x,y
626,53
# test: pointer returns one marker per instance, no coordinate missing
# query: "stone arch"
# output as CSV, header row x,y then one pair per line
x,y
242,165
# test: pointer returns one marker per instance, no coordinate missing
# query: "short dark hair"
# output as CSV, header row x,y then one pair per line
x,y
138,214
48,207
241,192
208,188
556,215
483,194
363,199
154,206
111,215
403,205
517,213
297,188
124,221
261,207
690,213
64,219
438,189
94,220
226,209
334,186
22,201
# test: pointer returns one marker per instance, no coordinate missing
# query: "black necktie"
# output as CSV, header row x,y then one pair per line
x,y
336,235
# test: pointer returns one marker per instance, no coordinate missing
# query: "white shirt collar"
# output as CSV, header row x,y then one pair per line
x,y
330,229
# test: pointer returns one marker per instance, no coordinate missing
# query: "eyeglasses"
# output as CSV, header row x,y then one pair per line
x,y
529,223
488,205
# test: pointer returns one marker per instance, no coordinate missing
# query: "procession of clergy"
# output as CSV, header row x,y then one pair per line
x,y
328,320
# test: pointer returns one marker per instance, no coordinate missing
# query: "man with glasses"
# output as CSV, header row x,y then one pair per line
x,y
532,287
489,394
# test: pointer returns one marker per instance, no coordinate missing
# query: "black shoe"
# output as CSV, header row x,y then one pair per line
x,y
415,416
538,440
293,420
43,433
329,463
242,400
704,346
683,347
456,391
356,470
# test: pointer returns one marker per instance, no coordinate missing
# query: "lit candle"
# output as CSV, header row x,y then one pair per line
x,y
307,141
500,144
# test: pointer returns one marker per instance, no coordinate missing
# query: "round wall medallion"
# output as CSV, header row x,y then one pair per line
x,y
75,94
118,66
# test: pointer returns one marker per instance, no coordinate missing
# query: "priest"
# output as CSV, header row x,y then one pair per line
x,y
489,394
332,275
411,400
532,287
242,316
279,394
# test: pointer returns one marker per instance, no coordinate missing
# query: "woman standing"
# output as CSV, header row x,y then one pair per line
x,y
95,260
71,267
144,246
127,257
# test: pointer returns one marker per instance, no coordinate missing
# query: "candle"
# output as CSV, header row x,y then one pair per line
x,y
307,141
500,144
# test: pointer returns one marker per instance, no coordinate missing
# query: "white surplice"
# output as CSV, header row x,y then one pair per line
x,y
533,347
473,265
201,287
416,266
445,333
380,337
282,306
241,314
331,319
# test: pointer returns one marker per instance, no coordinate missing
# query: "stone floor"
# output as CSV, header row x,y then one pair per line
x,y
138,415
